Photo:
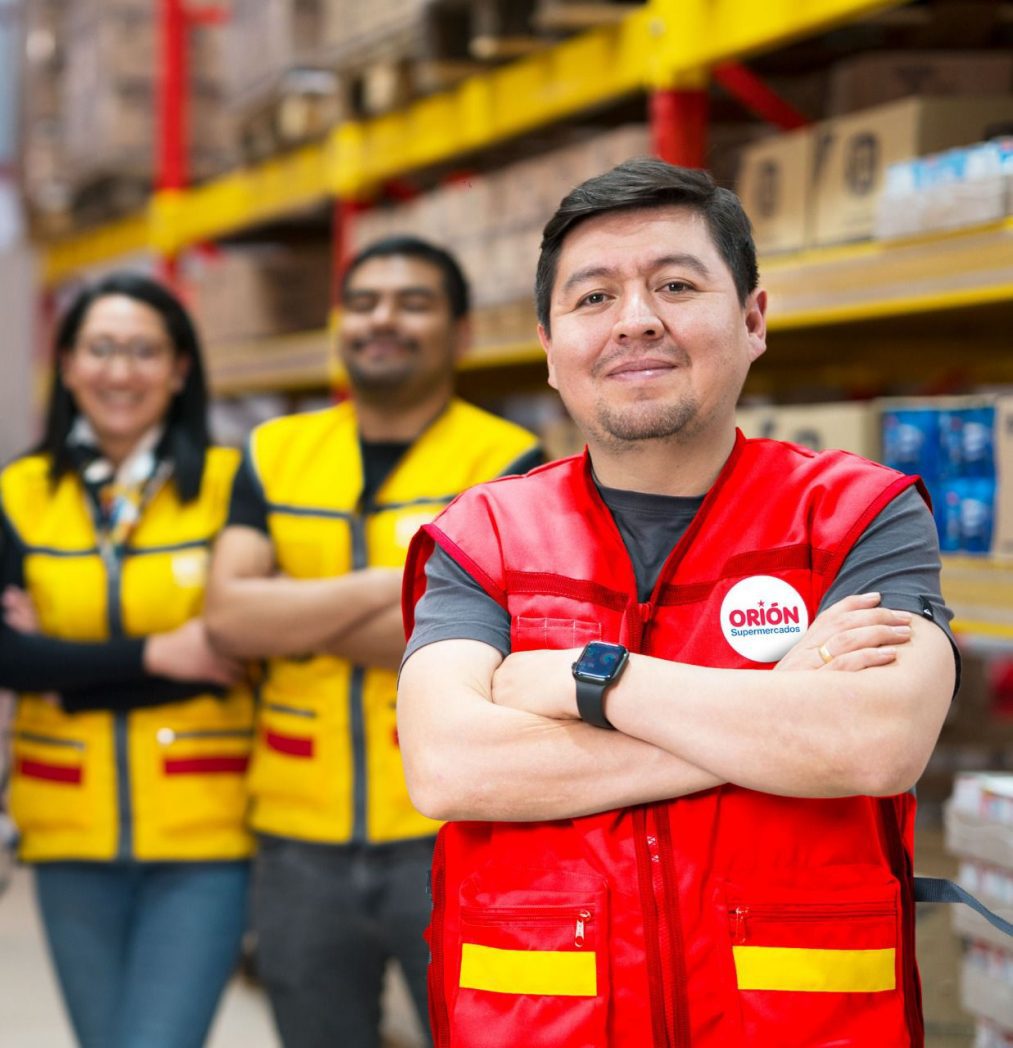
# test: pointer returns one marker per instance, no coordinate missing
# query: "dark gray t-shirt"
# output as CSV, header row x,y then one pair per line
x,y
897,555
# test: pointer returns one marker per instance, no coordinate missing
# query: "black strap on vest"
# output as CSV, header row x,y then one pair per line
x,y
938,889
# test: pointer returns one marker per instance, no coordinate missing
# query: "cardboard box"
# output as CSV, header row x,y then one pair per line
x,y
848,426
1002,535
853,152
775,186
874,79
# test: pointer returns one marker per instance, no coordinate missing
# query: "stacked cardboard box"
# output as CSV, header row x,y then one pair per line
x,y
979,830
265,39
42,175
821,185
852,426
91,101
493,223
257,291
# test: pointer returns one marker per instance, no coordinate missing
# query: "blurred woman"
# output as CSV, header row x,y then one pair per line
x,y
127,786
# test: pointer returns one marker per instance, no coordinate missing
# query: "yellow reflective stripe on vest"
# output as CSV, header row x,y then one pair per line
x,y
818,971
541,972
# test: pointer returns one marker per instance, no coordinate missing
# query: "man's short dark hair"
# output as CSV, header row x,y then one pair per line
x,y
646,182
454,281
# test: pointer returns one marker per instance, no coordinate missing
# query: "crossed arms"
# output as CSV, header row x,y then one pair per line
x,y
489,738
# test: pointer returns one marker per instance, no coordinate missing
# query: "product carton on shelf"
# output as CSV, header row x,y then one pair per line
x,y
261,290
950,443
874,79
853,153
851,426
1002,542
775,184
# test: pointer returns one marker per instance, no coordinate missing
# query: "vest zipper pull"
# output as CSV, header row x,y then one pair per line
x,y
740,924
578,938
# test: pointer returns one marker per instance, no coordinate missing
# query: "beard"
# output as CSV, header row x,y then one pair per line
x,y
620,428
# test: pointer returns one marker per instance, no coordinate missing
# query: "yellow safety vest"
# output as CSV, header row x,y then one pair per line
x,y
160,783
326,763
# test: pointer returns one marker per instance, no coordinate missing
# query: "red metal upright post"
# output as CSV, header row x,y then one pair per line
x,y
171,130
679,126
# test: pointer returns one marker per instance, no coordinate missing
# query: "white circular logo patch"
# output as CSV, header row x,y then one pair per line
x,y
763,617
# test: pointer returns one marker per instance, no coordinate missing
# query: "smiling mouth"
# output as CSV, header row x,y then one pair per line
x,y
642,368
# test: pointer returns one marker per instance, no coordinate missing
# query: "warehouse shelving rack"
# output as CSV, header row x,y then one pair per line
x,y
667,50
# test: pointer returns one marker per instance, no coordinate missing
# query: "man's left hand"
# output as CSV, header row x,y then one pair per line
x,y
538,682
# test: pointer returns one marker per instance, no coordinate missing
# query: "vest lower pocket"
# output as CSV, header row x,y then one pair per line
x,y
52,786
288,764
814,970
201,777
533,972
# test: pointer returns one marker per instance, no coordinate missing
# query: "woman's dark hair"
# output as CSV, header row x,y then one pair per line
x,y
646,182
186,436
454,282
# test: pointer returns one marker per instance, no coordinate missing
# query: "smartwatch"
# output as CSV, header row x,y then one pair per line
x,y
598,666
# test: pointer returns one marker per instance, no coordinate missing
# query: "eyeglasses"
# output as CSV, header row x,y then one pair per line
x,y
137,351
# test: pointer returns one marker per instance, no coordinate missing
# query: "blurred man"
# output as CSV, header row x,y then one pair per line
x,y
307,575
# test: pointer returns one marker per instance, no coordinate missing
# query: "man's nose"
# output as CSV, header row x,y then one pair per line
x,y
637,319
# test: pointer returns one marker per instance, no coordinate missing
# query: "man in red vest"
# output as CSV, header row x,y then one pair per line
x,y
654,840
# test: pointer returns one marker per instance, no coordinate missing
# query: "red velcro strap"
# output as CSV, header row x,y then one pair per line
x,y
211,765
68,773
293,745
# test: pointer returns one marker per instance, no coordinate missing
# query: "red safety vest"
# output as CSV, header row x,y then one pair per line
x,y
726,918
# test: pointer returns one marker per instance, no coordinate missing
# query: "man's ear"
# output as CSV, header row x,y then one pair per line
x,y
755,316
546,341
463,331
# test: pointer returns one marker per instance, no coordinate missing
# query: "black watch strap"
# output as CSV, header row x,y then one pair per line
x,y
591,702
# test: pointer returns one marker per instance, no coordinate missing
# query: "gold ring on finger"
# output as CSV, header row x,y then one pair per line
x,y
825,655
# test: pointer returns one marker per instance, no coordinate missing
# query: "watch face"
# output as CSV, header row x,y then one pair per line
x,y
599,660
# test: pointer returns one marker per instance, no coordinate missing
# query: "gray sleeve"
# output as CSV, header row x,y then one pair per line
x,y
455,607
898,556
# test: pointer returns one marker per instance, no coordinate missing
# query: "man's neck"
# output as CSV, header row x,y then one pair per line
x,y
389,422
662,467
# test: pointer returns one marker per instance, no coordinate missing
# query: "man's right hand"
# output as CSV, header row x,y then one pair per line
x,y
186,654
853,634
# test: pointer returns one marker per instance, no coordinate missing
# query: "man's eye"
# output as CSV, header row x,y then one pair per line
x,y
677,286
594,299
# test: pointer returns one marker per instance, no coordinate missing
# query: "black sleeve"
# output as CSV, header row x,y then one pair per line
x,y
526,462
100,675
248,505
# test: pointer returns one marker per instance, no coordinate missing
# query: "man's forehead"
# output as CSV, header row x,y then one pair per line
x,y
396,272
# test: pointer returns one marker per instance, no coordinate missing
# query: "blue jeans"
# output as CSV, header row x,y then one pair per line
x,y
143,950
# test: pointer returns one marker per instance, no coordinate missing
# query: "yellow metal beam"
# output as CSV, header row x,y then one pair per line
x,y
658,46
66,256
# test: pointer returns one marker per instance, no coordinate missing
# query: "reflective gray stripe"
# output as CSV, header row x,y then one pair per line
x,y
293,710
49,740
309,511
125,847
356,714
173,547
49,551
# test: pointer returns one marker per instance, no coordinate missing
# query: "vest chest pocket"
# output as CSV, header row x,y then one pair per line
x,y
812,971
535,633
533,969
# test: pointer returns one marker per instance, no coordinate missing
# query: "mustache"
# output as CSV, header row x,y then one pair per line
x,y
671,354
356,344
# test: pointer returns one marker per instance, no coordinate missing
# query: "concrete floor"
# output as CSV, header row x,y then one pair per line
x,y
31,1015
